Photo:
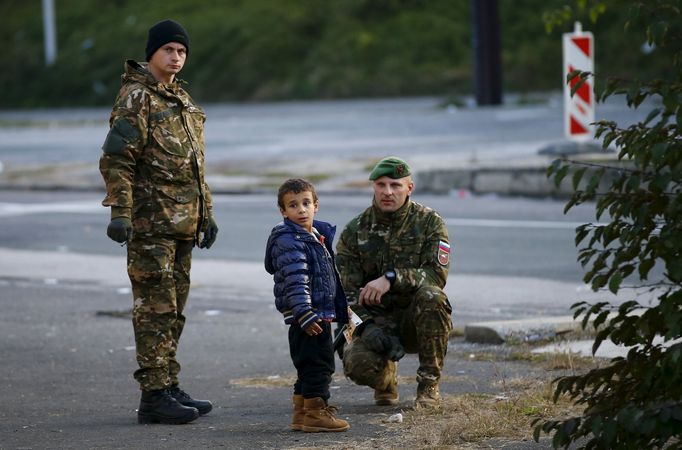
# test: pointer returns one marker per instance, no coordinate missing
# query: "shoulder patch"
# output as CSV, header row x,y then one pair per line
x,y
443,253
121,134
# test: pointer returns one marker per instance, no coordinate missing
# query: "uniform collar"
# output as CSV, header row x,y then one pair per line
x,y
395,216
139,71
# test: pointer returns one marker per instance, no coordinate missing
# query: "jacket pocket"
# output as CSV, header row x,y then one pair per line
x,y
169,132
196,119
180,195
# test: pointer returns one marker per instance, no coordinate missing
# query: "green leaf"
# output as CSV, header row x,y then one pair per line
x,y
614,282
632,93
658,31
674,268
645,266
594,181
601,336
553,167
560,175
601,317
599,282
577,176
577,86
658,152
652,115
609,432
581,233
571,75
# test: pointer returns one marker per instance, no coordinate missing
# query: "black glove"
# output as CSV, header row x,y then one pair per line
x,y
396,352
120,229
379,342
375,339
210,234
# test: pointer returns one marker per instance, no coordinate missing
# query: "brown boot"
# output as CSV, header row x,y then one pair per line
x,y
388,397
299,413
427,396
386,390
319,417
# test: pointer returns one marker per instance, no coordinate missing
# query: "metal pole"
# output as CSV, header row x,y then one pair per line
x,y
50,31
486,43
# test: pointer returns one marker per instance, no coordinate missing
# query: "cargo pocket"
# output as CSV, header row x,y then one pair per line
x,y
169,132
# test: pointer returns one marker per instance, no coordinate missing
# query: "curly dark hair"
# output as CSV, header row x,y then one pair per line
x,y
295,185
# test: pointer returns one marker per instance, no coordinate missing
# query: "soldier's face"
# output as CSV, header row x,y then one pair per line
x,y
300,208
168,61
390,194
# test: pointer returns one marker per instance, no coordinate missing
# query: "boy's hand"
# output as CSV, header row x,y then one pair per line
x,y
313,329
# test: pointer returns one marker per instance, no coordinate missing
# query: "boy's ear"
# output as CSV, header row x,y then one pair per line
x,y
281,211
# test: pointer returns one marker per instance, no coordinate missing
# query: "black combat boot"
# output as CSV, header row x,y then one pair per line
x,y
159,406
203,406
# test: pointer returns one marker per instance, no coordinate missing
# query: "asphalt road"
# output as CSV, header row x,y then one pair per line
x,y
490,235
67,375
67,356
67,348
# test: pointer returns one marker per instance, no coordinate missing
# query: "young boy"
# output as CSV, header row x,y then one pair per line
x,y
308,293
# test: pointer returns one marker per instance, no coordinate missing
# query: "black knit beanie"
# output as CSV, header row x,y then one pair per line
x,y
164,32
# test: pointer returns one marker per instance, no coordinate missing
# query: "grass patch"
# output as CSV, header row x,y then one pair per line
x,y
30,173
57,123
556,360
358,184
475,418
369,165
312,177
268,382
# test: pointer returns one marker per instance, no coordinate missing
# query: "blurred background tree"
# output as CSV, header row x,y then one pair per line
x,y
287,49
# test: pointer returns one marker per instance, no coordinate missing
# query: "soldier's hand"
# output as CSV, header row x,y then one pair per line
x,y
210,234
375,339
120,229
371,293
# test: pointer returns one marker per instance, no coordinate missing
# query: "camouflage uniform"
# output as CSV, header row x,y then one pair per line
x,y
153,168
412,242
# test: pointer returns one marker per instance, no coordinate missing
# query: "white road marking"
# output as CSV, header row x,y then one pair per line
x,y
19,209
503,223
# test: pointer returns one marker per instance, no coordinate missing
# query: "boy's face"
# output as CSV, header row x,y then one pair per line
x,y
300,208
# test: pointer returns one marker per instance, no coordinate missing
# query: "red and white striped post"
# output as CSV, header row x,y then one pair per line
x,y
579,108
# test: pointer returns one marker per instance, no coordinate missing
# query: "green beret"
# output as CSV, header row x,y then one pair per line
x,y
392,167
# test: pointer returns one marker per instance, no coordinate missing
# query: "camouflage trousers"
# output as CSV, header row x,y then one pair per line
x,y
423,327
158,268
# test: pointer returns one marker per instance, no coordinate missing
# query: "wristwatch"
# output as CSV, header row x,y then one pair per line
x,y
390,276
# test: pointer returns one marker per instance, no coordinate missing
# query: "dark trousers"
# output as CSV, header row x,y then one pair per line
x,y
313,357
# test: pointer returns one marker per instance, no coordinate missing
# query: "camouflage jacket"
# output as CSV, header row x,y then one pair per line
x,y
153,157
412,241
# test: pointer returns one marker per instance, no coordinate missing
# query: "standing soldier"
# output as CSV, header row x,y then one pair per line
x,y
153,168
394,260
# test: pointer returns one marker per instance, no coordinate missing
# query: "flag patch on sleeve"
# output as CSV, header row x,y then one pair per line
x,y
443,253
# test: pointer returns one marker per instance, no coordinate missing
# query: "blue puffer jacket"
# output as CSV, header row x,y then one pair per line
x,y
307,284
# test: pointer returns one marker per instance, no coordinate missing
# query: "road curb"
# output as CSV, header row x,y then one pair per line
x,y
521,330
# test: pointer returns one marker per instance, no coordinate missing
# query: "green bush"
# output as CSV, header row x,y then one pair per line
x,y
635,402
283,49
